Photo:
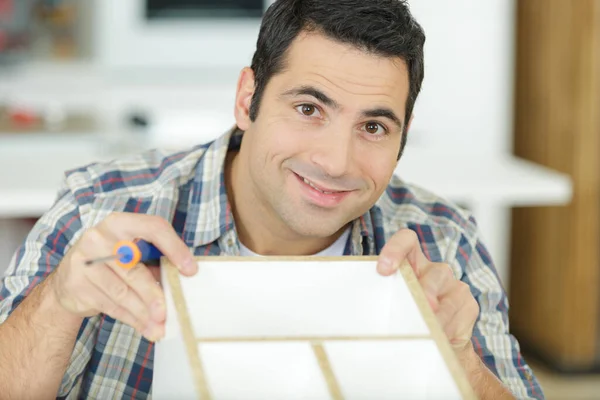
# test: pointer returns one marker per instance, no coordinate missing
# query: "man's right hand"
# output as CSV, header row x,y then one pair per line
x,y
131,296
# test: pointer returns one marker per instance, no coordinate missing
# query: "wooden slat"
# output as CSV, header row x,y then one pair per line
x,y
456,370
328,375
187,332
366,338
555,277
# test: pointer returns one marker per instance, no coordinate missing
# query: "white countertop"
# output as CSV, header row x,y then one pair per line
x,y
32,167
483,178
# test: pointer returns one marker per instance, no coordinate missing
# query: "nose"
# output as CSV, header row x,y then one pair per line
x,y
333,152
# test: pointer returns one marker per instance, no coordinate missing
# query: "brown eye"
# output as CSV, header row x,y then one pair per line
x,y
372,127
308,110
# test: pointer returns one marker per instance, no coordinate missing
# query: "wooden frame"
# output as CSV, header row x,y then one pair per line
x,y
201,384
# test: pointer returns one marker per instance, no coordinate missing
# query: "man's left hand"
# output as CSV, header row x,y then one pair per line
x,y
450,298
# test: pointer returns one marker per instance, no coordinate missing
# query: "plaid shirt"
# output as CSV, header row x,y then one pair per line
x,y
111,360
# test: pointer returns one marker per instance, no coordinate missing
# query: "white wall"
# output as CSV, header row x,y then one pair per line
x,y
466,100
467,92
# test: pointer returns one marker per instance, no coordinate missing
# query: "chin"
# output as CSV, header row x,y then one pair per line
x,y
313,227
316,232
310,221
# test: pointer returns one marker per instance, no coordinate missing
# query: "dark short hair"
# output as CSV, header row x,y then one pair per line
x,y
382,27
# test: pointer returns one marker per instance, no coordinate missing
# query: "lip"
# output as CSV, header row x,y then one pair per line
x,y
325,200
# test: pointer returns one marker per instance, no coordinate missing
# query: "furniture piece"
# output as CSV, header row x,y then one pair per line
x,y
301,328
555,277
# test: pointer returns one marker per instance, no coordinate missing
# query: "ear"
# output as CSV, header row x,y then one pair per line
x,y
243,98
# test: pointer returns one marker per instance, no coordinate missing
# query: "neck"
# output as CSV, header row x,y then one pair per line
x,y
258,226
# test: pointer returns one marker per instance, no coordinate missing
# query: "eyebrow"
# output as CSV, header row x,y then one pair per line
x,y
313,92
329,102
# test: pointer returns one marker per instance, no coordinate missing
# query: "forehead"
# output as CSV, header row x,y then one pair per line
x,y
345,71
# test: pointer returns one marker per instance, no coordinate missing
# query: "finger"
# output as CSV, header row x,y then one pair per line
x,y
117,290
155,271
155,230
403,245
436,281
142,282
113,283
107,306
453,303
447,309
96,243
459,329
139,278
154,331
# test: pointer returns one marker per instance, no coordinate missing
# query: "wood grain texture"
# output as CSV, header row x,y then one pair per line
x,y
555,263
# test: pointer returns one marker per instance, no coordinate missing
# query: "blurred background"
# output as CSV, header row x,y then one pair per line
x,y
506,126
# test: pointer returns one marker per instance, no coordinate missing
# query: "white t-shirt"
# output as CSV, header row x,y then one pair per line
x,y
336,249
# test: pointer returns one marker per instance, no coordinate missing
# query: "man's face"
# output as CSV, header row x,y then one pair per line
x,y
326,139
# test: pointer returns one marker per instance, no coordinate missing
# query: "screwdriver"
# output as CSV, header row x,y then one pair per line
x,y
128,253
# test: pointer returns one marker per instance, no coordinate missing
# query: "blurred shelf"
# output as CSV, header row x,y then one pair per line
x,y
32,167
475,178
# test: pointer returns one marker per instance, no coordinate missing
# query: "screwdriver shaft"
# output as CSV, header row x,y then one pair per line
x,y
102,259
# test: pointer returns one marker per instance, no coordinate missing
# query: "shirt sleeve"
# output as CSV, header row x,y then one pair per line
x,y
40,253
492,340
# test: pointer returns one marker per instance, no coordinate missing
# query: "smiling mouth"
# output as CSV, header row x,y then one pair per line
x,y
320,189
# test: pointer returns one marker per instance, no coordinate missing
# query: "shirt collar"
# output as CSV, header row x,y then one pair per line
x,y
362,239
209,213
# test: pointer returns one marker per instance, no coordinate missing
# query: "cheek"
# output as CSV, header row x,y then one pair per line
x,y
378,169
284,137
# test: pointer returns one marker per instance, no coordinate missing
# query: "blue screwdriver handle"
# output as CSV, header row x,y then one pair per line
x,y
148,250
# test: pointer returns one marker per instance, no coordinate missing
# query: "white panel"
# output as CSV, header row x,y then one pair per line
x,y
263,371
172,377
391,370
411,369
233,299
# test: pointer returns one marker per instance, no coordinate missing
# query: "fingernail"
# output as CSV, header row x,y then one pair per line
x,y
149,333
189,265
153,332
385,264
158,311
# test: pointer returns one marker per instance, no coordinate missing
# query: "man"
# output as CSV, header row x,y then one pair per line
x,y
321,120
